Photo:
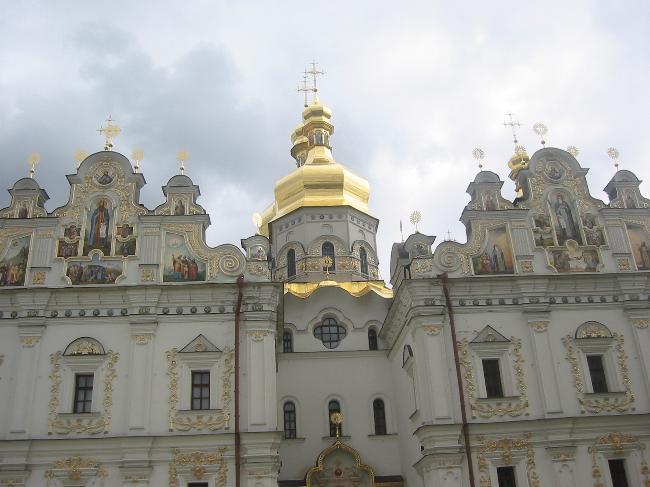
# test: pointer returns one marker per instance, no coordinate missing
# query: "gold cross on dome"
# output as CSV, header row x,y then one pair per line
x,y
512,124
304,88
111,131
33,160
314,72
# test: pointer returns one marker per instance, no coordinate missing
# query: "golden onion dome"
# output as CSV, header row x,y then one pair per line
x,y
319,180
518,161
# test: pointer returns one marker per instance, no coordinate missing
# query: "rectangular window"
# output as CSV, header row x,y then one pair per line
x,y
197,484
506,477
287,341
597,373
201,390
492,375
83,393
617,472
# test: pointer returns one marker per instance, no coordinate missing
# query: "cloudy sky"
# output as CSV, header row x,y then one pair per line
x,y
414,87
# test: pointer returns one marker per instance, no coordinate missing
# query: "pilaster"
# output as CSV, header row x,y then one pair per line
x,y
564,459
441,469
140,375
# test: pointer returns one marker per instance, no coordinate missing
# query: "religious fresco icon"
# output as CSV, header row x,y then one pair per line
x,y
640,242
98,228
543,231
179,207
125,247
179,265
566,223
23,209
630,199
497,256
489,202
554,172
593,233
94,271
575,258
13,264
105,176
67,249
72,232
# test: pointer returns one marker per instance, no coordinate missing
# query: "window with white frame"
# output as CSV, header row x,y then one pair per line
x,y
490,356
199,370
597,360
82,363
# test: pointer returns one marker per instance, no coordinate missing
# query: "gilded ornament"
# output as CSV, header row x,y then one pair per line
x,y
215,420
618,442
258,335
142,339
76,468
623,264
526,266
539,326
607,404
147,275
29,341
432,330
505,447
198,463
500,408
641,324
84,347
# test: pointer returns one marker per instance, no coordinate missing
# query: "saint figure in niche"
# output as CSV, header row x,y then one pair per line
x,y
629,201
498,260
567,228
23,211
98,233
179,208
105,178
644,251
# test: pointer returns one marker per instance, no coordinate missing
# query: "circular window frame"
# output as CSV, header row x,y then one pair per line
x,y
339,332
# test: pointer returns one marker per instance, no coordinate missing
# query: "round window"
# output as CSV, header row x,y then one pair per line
x,y
330,332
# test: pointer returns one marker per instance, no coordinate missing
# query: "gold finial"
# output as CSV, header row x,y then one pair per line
x,y
257,221
541,130
304,88
573,150
337,419
415,218
613,154
181,157
79,156
314,72
512,124
111,131
33,160
137,155
479,154
327,263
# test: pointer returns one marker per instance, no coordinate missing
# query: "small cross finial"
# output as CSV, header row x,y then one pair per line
x,y
181,157
541,130
337,419
33,160
479,154
448,235
111,131
327,263
513,124
314,72
79,156
137,155
613,154
304,88
573,150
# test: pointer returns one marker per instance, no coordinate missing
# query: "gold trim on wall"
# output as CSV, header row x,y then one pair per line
x,y
505,447
198,463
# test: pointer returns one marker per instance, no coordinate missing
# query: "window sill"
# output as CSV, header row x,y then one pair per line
x,y
294,440
189,412
605,395
75,416
496,400
342,437
379,437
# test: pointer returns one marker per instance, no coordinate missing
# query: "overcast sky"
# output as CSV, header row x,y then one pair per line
x,y
414,87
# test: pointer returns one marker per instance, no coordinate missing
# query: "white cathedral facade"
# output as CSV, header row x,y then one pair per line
x,y
133,354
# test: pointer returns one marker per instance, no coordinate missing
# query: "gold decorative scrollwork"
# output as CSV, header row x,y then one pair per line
x,y
29,341
505,447
641,324
38,277
539,326
198,464
432,329
512,408
618,443
526,266
95,425
215,420
258,335
76,468
608,404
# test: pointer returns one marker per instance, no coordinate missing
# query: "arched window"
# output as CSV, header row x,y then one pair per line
x,y
379,412
334,407
407,353
287,341
363,257
330,332
372,339
327,250
291,263
289,410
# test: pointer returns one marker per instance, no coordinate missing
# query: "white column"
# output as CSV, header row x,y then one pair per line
x,y
25,378
545,365
140,373
261,380
641,331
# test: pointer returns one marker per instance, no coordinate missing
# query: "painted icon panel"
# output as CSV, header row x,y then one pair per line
x,y
13,264
179,264
98,228
95,271
566,222
497,256
640,242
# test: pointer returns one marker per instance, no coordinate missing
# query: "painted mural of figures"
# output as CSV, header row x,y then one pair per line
x,y
640,244
105,178
629,200
567,228
489,203
94,272
13,265
179,208
67,249
497,257
98,231
180,265
23,211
